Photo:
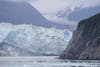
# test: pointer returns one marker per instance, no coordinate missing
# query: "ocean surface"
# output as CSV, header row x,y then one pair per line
x,y
45,61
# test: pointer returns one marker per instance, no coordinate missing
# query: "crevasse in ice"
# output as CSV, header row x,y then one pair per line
x,y
30,40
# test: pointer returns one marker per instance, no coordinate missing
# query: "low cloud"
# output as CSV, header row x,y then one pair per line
x,y
49,6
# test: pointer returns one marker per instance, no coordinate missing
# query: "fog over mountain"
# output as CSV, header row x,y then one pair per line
x,y
62,15
77,14
69,10
24,13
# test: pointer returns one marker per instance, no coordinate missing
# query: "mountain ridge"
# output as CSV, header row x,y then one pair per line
x,y
25,13
85,43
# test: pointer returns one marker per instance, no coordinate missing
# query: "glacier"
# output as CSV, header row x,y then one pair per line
x,y
30,40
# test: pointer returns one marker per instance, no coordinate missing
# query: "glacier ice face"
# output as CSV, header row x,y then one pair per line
x,y
28,40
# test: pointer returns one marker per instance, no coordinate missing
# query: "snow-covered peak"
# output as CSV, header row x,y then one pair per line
x,y
77,13
66,11
24,13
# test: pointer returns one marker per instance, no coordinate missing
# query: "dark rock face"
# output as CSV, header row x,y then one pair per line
x,y
85,43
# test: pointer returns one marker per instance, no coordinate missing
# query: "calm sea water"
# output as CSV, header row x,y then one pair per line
x,y
45,61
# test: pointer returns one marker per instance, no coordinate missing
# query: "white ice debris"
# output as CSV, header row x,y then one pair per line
x,y
29,39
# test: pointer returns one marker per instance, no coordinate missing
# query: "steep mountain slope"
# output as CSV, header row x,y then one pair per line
x,y
19,13
85,43
78,13
23,40
72,15
24,13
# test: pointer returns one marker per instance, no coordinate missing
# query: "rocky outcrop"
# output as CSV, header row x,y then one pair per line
x,y
85,43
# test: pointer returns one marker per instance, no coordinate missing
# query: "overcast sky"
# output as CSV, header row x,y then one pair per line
x,y
49,6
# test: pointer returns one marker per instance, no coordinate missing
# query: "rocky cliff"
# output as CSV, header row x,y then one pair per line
x,y
85,43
